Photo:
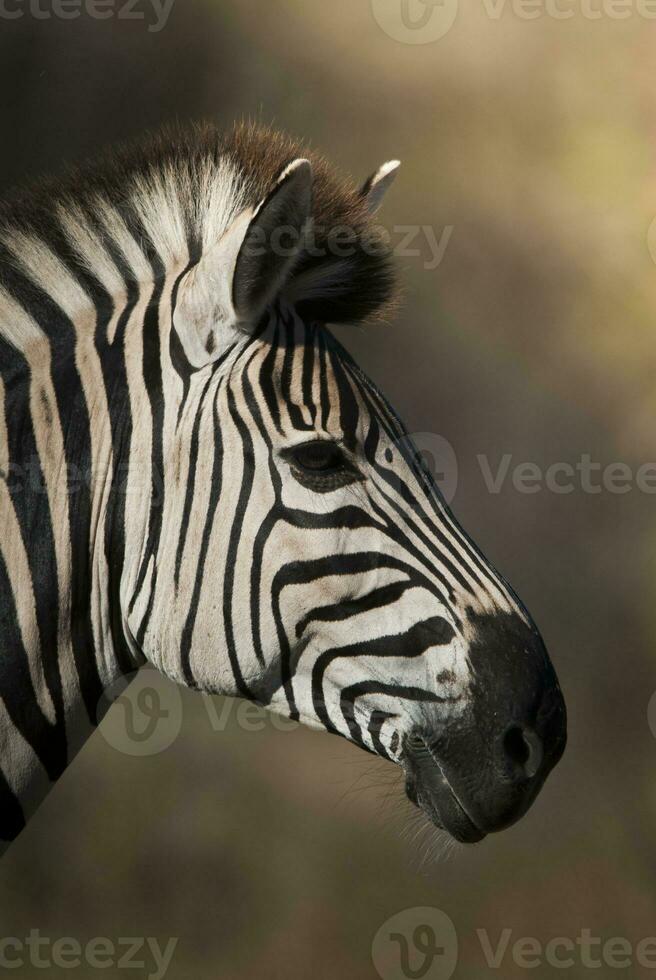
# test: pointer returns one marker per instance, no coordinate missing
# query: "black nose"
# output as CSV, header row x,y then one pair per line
x,y
479,771
523,750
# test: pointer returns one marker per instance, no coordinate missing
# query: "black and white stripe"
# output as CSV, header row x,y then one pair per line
x,y
155,386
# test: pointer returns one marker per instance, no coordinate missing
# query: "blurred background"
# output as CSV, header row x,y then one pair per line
x,y
279,854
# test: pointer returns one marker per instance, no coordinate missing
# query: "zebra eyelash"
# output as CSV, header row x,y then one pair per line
x,y
325,484
340,472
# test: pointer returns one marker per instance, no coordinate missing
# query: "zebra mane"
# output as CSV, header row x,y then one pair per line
x,y
151,207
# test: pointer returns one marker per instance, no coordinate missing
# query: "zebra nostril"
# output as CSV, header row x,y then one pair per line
x,y
515,745
523,747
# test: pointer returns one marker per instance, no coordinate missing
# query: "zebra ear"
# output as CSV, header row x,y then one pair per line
x,y
203,312
376,187
273,242
241,274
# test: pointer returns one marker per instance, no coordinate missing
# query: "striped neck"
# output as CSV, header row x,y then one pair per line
x,y
65,436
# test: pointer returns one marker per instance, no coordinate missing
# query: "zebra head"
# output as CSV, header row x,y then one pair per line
x,y
305,558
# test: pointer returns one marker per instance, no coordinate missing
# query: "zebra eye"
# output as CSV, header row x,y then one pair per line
x,y
319,456
322,466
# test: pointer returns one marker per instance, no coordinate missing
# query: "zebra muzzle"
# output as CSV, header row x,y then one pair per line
x,y
427,786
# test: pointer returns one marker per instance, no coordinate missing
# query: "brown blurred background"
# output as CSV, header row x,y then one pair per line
x,y
276,854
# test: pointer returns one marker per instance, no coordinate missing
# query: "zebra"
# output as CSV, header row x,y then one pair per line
x,y
195,475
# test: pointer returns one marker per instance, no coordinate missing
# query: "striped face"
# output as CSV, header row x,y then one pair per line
x,y
308,562
221,491
229,497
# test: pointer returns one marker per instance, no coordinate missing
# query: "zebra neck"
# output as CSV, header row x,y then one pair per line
x,y
60,639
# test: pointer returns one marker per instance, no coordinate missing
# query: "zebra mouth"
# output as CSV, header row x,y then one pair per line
x,y
428,788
